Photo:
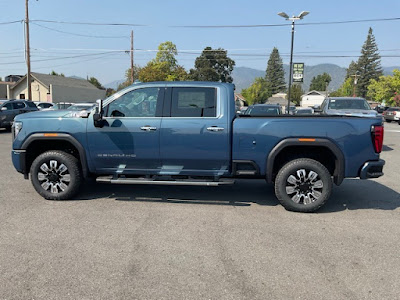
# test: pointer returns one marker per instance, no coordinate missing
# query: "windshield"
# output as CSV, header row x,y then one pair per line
x,y
262,111
348,104
81,107
304,112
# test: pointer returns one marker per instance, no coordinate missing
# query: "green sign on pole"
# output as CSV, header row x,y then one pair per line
x,y
298,72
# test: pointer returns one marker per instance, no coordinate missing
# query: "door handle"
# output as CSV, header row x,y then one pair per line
x,y
215,128
148,128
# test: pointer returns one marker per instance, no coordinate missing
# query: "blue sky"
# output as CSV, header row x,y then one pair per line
x,y
160,16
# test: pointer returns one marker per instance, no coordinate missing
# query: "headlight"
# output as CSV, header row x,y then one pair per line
x,y
17,126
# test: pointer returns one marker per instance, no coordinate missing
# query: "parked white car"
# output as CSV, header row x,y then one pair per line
x,y
43,105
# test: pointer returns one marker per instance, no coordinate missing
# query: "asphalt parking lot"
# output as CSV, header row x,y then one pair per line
x,y
160,242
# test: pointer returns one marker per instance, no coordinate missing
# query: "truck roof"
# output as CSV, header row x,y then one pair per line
x,y
184,83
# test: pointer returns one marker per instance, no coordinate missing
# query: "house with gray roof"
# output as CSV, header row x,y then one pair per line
x,y
52,88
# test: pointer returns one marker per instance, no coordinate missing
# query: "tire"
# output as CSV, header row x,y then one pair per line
x,y
303,185
56,175
389,121
8,128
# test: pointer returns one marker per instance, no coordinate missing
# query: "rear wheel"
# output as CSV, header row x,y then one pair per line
x,y
56,175
303,185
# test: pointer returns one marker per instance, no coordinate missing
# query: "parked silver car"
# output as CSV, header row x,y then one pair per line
x,y
348,106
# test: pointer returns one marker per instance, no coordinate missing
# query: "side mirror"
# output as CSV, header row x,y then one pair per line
x,y
98,116
317,108
4,108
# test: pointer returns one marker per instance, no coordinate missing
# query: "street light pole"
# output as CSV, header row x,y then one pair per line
x,y
290,69
293,19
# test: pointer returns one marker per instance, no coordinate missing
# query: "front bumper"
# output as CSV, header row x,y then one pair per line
x,y
372,169
18,159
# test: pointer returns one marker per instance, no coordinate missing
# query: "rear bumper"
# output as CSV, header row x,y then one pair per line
x,y
392,118
372,169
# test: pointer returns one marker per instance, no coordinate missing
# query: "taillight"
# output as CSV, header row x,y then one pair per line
x,y
377,137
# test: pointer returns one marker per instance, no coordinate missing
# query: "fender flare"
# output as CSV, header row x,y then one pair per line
x,y
59,137
339,172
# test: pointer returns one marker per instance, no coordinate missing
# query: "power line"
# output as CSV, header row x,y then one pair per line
x,y
11,22
285,25
58,58
90,23
220,26
78,34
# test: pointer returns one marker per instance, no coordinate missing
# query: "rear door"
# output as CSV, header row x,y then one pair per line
x,y
194,133
18,108
7,114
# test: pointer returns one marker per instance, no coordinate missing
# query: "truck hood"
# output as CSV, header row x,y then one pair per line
x,y
352,112
48,114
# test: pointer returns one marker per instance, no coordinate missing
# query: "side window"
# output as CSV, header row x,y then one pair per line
x,y
194,102
135,104
18,105
8,106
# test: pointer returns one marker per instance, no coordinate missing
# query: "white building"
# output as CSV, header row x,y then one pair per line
x,y
312,98
52,88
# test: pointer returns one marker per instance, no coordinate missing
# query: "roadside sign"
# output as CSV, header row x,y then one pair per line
x,y
298,72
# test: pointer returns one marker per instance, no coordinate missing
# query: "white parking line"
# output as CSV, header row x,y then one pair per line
x,y
392,130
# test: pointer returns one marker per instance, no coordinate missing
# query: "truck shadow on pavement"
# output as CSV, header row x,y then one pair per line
x,y
353,194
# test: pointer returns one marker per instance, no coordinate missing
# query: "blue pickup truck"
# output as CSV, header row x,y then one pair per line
x,y
188,133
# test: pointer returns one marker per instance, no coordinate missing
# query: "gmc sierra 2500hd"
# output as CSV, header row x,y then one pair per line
x,y
188,133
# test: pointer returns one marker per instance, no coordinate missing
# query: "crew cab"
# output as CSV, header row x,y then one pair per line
x,y
188,133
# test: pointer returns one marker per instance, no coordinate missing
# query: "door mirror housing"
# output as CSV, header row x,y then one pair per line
x,y
317,108
4,108
98,116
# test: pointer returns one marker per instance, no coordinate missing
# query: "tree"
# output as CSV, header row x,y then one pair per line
x,y
164,67
275,76
386,88
1,79
128,78
166,53
213,65
321,82
56,74
257,92
96,83
351,70
345,90
109,92
296,93
368,65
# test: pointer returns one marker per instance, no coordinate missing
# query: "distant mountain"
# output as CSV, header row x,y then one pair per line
x,y
114,84
389,70
243,77
76,77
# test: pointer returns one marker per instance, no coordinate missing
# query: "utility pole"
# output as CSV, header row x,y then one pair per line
x,y
132,71
355,83
27,50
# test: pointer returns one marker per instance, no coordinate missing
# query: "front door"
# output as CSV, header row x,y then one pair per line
x,y
129,141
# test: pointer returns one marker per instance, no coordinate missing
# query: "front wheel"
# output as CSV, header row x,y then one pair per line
x,y
389,121
56,175
303,185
